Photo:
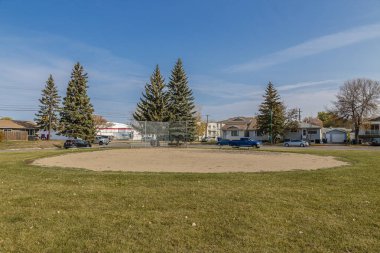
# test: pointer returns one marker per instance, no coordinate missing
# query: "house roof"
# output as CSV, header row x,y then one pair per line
x,y
239,123
253,124
375,119
343,130
307,125
26,124
236,120
17,124
234,127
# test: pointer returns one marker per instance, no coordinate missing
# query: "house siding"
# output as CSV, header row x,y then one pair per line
x,y
304,134
253,135
228,135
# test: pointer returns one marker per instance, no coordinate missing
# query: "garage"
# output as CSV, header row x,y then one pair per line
x,y
336,136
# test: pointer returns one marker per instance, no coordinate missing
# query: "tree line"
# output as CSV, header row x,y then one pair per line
x,y
356,100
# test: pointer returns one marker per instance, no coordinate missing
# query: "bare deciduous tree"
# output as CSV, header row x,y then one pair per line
x,y
357,99
100,121
291,119
313,121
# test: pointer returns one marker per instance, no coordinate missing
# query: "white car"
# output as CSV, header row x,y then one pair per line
x,y
296,143
102,140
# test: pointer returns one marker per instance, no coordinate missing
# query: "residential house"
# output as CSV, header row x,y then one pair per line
x,y
370,129
239,127
213,130
305,131
254,133
235,128
18,129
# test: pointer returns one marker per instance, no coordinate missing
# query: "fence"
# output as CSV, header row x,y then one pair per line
x,y
15,135
154,134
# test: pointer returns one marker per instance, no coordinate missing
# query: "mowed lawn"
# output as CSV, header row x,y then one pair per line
x,y
71,210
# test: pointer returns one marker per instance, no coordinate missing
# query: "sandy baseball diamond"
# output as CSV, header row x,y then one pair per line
x,y
189,160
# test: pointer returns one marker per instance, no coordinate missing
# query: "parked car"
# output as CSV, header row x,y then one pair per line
x,y
245,142
107,137
101,140
206,139
147,139
375,142
76,144
296,143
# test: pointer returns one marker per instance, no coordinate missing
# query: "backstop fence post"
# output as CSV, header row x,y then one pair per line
x,y
144,138
186,133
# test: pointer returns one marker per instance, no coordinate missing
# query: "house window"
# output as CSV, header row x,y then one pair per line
x,y
259,133
7,130
294,130
234,133
304,132
312,132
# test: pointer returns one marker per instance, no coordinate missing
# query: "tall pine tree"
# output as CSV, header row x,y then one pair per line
x,y
181,104
77,113
153,105
46,117
271,117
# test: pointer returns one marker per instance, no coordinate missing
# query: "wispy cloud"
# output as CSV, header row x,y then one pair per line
x,y
298,98
243,99
311,47
220,88
26,62
309,84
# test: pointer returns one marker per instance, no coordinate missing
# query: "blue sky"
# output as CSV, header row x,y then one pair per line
x,y
230,49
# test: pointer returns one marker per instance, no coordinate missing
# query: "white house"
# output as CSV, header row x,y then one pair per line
x,y
214,129
238,127
305,131
370,129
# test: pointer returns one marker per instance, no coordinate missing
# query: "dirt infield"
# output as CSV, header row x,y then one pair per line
x,y
189,160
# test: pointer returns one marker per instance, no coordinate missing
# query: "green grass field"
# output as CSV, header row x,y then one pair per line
x,y
67,210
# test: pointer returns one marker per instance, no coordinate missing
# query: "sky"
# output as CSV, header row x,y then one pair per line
x,y
230,50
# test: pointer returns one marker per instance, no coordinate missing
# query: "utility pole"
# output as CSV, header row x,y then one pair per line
x,y
206,124
299,114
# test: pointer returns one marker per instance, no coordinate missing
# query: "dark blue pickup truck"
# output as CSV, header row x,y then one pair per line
x,y
243,142
223,142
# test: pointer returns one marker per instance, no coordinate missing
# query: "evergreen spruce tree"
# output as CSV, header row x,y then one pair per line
x,y
153,104
46,117
181,105
77,113
271,117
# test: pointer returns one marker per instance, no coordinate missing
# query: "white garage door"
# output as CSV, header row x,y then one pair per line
x,y
337,137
